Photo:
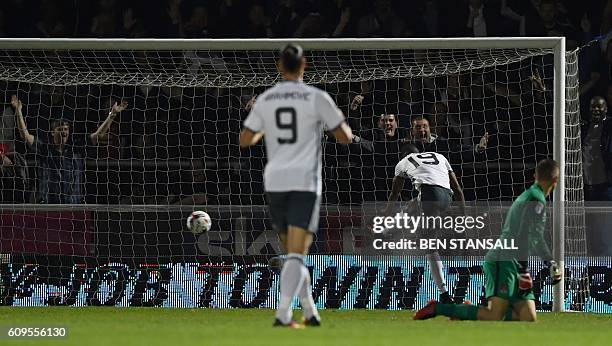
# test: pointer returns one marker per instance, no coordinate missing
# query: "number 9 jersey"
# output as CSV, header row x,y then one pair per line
x,y
425,168
292,116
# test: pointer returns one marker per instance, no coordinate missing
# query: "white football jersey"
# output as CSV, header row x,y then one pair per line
x,y
425,168
292,116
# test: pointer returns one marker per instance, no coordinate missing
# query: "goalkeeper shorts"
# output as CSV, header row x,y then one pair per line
x,y
502,281
294,208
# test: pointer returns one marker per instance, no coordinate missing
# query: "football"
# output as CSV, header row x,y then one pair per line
x,y
199,222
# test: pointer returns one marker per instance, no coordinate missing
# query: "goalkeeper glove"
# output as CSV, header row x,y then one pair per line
x,y
555,271
525,281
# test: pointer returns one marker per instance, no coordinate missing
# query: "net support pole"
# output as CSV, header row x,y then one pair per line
x,y
558,218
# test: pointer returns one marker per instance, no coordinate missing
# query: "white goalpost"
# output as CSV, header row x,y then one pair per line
x,y
176,150
559,156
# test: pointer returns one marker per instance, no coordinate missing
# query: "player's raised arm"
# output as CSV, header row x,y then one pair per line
x,y
103,129
23,129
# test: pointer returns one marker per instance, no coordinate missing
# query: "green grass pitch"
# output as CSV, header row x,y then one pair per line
x,y
169,327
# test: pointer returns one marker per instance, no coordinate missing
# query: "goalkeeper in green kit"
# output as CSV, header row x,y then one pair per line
x,y
508,283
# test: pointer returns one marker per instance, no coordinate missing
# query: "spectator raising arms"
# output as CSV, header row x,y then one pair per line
x,y
60,176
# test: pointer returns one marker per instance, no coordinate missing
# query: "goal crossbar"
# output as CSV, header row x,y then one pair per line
x,y
272,44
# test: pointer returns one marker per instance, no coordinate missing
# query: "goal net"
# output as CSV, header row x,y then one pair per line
x,y
122,239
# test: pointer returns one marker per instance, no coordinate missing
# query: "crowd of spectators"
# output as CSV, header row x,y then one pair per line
x,y
180,146
470,117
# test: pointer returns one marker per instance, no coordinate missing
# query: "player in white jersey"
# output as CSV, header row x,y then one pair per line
x,y
293,116
433,177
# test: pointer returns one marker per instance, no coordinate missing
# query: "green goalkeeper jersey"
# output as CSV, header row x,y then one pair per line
x,y
525,224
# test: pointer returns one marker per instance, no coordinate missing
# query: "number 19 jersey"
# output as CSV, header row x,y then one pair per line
x,y
292,116
425,168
